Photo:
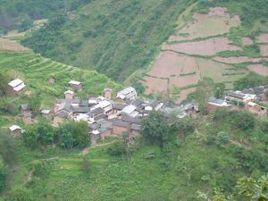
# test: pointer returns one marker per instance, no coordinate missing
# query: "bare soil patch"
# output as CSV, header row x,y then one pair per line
x,y
184,94
237,60
247,41
170,64
264,50
155,85
207,47
259,69
217,22
263,38
9,45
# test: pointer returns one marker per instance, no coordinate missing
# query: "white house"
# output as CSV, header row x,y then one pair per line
x,y
127,94
16,85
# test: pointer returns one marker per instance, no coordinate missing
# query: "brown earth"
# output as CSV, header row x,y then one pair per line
x,y
217,22
171,64
184,94
207,47
263,38
155,85
9,45
247,41
264,50
259,69
237,60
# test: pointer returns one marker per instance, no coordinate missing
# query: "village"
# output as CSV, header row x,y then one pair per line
x,y
114,114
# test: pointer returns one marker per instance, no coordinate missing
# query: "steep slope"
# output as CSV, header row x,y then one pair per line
x,y
20,14
116,37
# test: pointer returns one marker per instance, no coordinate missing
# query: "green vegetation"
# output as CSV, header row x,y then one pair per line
x,y
117,38
19,14
207,157
47,79
251,80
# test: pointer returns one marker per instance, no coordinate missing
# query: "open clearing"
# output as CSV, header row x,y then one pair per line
x,y
217,22
259,69
264,50
9,45
208,47
263,38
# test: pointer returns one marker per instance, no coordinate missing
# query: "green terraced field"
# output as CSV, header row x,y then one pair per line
x,y
36,71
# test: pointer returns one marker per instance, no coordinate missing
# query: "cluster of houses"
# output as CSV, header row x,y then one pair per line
x,y
111,116
253,99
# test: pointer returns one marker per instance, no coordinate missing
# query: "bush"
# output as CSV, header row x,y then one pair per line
x,y
20,194
243,120
118,148
222,138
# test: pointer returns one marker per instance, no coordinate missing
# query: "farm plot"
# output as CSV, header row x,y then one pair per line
x,y
9,45
264,50
259,69
207,47
263,38
155,85
217,22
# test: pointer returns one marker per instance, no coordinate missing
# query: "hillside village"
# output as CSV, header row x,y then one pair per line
x,y
114,114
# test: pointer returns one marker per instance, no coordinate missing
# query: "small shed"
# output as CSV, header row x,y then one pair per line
x,y
15,130
16,86
69,95
76,85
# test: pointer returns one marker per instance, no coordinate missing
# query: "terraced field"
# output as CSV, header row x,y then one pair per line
x,y
37,72
202,47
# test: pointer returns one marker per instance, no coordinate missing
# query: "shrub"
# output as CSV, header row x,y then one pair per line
x,y
118,148
243,120
222,138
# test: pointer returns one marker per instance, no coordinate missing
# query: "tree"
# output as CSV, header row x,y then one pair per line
x,y
185,126
45,133
3,84
155,129
250,189
73,134
219,90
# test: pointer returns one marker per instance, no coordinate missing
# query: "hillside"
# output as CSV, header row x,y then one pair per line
x,y
208,161
115,37
36,71
220,40
20,14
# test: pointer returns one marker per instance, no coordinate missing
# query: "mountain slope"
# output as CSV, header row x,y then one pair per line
x,y
116,37
20,14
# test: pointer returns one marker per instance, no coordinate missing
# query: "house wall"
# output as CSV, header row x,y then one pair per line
x,y
117,130
76,87
69,96
106,134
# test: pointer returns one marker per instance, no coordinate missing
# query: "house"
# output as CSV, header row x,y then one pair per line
x,y
93,101
127,94
119,127
96,114
16,86
69,95
105,105
214,104
15,130
135,130
107,93
240,96
130,110
76,85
